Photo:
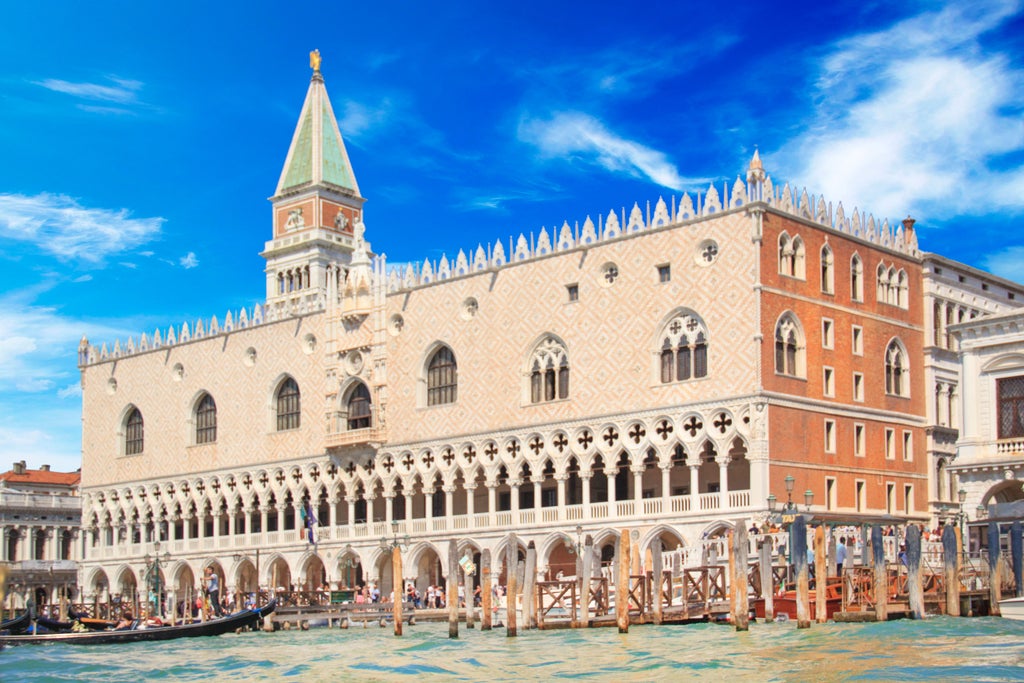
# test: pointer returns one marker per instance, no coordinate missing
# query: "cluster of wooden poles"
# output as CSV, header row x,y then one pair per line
x,y
738,573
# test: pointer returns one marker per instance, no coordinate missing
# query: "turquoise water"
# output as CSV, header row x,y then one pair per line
x,y
941,648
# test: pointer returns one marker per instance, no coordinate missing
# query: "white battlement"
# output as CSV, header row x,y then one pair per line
x,y
613,226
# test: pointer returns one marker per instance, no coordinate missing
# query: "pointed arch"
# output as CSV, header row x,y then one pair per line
x,y
897,372
790,346
547,370
439,376
287,404
682,347
828,272
856,277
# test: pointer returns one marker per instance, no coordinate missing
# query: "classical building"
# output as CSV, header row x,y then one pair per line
x,y
989,467
40,516
663,369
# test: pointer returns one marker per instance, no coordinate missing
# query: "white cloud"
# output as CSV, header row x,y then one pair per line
x,y
123,90
358,119
580,136
83,278
1008,263
70,391
916,118
59,225
188,261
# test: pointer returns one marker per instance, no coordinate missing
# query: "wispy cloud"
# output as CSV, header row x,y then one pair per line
x,y
123,90
188,261
1008,263
919,117
59,225
358,119
580,137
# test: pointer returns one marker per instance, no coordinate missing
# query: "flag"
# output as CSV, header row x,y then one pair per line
x,y
309,519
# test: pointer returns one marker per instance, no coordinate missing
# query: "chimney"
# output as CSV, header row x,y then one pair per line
x,y
44,468
19,467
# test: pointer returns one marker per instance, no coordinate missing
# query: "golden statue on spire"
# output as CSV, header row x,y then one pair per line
x,y
314,60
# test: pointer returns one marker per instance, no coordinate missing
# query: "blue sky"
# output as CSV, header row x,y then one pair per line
x,y
139,141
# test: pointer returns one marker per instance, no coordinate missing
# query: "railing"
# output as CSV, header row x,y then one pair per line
x,y
354,437
1010,446
710,501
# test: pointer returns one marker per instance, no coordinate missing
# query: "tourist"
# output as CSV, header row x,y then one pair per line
x,y
125,622
840,555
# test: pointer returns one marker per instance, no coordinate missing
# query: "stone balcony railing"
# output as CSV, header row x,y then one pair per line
x,y
1010,446
544,519
355,437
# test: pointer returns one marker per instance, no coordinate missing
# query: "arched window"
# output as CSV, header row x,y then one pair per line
x,y
789,347
133,433
856,278
785,254
206,420
684,349
797,258
289,405
828,282
442,378
882,285
896,378
359,407
549,371
902,289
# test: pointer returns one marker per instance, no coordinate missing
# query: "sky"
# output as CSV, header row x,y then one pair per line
x,y
139,142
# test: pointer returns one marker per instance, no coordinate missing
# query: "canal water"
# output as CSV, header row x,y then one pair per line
x,y
937,649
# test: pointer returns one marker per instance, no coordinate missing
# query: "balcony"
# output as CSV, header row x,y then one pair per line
x,y
355,437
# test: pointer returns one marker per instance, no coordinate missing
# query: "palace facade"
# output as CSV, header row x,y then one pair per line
x,y
663,369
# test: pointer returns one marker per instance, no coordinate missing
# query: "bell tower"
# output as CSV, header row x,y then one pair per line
x,y
317,208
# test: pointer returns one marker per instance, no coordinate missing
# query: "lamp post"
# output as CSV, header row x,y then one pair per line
x,y
961,520
153,572
577,547
790,507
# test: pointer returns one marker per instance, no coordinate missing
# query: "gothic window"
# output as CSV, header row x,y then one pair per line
x,y
896,378
791,256
828,284
549,371
882,284
684,349
133,433
442,378
789,347
902,294
206,420
1011,407
359,407
288,405
856,278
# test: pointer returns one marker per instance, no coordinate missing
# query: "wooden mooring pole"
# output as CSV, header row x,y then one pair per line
x,y
588,564
995,588
1016,548
470,597
767,577
656,579
798,550
915,588
820,576
740,600
950,559
881,575
530,587
485,590
512,584
622,588
399,584
453,589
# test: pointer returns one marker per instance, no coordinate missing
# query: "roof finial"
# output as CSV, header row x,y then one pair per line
x,y
314,61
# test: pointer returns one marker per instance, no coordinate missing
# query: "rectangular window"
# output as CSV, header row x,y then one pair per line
x,y
860,499
858,340
573,292
1011,407
828,381
858,387
890,498
830,493
908,445
908,498
890,444
664,273
858,440
828,335
830,436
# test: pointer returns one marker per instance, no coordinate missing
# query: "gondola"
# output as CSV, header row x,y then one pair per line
x,y
16,624
250,618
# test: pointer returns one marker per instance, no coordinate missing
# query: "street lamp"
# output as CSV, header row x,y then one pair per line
x,y
153,574
347,564
402,543
961,519
577,547
808,499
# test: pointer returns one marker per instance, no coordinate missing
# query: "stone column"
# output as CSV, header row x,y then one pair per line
x,y
560,479
333,501
389,507
449,504
470,504
666,485
492,503
537,481
428,497
694,488
351,500
586,494
514,494
638,487
723,483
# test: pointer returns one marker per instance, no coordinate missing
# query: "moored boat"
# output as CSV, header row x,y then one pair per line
x,y
785,602
250,618
16,624
1012,608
